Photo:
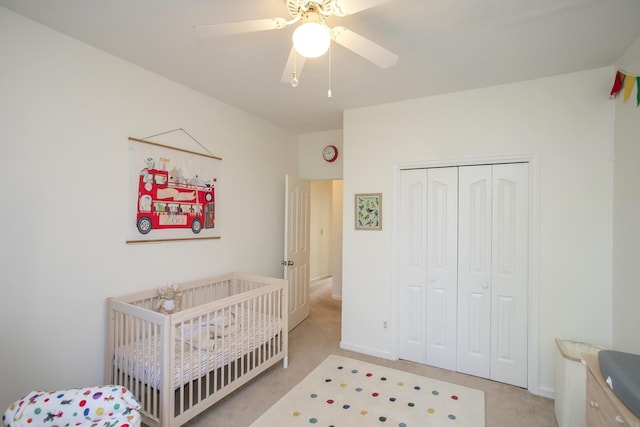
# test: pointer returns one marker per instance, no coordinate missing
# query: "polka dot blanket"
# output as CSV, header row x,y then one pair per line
x,y
344,392
112,406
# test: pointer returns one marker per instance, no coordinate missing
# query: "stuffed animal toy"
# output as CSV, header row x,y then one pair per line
x,y
170,299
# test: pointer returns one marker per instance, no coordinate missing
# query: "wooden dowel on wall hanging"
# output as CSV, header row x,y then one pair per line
x,y
174,148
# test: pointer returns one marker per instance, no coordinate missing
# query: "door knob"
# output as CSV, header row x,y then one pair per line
x,y
485,285
289,262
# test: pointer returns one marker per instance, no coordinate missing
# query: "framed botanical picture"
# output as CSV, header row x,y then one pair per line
x,y
368,210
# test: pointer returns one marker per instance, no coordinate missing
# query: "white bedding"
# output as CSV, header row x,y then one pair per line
x,y
141,359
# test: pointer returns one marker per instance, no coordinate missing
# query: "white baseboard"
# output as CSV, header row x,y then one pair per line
x,y
367,350
544,392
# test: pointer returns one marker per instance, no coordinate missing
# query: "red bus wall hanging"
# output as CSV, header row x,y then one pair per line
x,y
173,193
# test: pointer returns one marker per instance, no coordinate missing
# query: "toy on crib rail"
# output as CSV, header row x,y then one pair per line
x,y
170,299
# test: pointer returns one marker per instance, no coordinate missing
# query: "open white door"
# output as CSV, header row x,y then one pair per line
x,y
296,247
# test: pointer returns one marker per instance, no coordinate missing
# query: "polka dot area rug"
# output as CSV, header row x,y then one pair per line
x,y
344,392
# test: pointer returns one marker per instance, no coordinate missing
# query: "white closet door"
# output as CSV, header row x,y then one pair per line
x,y
509,292
474,271
412,266
493,272
428,266
463,269
442,266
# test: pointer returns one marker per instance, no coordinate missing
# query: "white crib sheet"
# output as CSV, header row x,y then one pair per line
x,y
141,359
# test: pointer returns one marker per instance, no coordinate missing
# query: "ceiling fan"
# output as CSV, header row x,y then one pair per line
x,y
313,36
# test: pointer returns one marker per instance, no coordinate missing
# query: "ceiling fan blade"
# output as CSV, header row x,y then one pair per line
x,y
349,7
295,62
369,50
228,28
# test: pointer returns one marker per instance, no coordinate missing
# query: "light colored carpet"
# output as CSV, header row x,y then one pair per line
x,y
319,336
346,392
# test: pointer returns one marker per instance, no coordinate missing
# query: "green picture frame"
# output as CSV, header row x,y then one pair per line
x,y
368,211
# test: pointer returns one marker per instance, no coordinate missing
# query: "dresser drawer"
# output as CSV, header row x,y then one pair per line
x,y
603,408
600,410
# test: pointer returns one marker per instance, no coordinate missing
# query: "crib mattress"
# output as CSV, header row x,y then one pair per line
x,y
141,359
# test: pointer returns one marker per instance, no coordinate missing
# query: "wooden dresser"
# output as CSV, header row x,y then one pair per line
x,y
604,409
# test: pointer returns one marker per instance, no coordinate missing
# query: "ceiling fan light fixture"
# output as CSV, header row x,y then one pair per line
x,y
311,39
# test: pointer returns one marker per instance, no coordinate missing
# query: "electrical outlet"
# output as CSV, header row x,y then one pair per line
x,y
384,325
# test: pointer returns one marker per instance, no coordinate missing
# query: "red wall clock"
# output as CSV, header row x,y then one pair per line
x,y
330,153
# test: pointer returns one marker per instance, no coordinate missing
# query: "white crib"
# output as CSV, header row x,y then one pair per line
x,y
231,328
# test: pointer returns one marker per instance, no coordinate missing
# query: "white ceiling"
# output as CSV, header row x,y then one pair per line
x,y
443,45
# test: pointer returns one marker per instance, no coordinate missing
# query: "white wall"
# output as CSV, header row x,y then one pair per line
x,y
67,111
312,165
626,208
567,122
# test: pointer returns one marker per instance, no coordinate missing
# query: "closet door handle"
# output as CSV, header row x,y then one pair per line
x,y
432,279
485,285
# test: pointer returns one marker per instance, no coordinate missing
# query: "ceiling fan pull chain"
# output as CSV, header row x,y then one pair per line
x,y
329,91
294,80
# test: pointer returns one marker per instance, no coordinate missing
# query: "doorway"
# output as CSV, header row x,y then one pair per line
x,y
325,239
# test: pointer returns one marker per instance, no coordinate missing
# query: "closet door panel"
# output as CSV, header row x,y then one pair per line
x,y
442,267
412,266
463,269
474,272
510,273
477,307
